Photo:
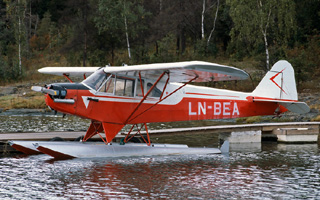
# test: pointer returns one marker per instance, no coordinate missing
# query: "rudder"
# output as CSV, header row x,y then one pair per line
x,y
278,83
279,86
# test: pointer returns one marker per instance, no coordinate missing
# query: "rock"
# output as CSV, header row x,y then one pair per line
x,y
312,110
8,90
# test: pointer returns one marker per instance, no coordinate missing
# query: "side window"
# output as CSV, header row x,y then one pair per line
x,y
138,88
108,86
124,87
155,92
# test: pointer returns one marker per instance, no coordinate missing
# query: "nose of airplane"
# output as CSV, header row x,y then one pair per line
x,y
44,90
55,91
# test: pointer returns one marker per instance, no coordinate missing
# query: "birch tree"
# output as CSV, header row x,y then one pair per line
x,y
125,13
118,19
214,23
204,10
16,11
202,18
260,21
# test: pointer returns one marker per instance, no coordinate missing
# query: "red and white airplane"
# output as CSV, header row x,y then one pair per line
x,y
113,97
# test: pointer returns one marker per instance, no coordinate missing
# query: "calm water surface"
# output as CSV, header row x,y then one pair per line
x,y
256,171
273,172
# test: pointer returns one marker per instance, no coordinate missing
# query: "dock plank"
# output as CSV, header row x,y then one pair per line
x,y
69,135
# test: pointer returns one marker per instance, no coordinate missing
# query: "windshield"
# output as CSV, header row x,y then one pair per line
x,y
96,79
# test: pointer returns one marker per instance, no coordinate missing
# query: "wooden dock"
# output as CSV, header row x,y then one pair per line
x,y
265,128
286,131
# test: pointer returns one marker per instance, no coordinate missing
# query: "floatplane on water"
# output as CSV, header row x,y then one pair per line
x,y
113,97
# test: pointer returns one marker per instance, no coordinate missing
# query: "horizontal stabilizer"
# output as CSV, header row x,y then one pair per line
x,y
293,106
296,107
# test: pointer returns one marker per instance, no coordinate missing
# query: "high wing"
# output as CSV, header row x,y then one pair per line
x,y
179,71
183,71
69,71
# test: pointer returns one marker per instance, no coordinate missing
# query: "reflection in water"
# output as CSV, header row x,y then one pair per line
x,y
275,172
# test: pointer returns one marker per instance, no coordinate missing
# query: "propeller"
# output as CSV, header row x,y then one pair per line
x,y
45,90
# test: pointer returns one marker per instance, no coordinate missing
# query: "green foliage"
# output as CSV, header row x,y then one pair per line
x,y
166,51
260,23
305,60
47,35
72,32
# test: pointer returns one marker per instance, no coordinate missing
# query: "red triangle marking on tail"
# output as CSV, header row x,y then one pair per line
x,y
272,79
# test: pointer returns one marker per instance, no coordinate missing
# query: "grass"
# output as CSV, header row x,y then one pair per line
x,y
315,106
316,119
253,119
17,102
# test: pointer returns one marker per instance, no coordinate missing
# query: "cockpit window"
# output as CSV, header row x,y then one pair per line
x,y
155,91
96,79
124,87
119,85
108,85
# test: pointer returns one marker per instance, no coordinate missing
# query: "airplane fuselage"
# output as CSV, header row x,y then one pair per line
x,y
189,103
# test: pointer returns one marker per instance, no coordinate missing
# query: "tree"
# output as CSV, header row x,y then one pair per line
x,y
16,12
119,19
75,17
257,22
182,18
214,23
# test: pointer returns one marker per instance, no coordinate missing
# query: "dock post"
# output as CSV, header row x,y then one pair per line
x,y
297,135
251,136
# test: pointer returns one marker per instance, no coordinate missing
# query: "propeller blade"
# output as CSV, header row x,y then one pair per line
x,y
50,91
36,88
45,90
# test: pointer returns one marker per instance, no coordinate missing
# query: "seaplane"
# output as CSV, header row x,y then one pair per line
x,y
115,96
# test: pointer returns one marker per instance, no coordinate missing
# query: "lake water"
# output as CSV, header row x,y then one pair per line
x,y
273,172
250,171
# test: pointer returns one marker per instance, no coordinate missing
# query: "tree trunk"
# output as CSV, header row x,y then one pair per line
x,y
112,54
202,18
264,33
19,38
214,24
267,51
182,40
85,18
127,36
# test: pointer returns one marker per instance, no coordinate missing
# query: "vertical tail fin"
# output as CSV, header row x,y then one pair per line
x,y
279,86
278,83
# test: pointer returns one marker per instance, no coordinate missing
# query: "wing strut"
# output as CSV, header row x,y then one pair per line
x,y
67,76
127,138
160,100
94,128
145,96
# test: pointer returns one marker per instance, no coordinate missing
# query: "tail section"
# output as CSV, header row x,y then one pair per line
x,y
278,83
279,86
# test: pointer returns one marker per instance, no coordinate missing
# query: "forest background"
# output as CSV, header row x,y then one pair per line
x,y
249,34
